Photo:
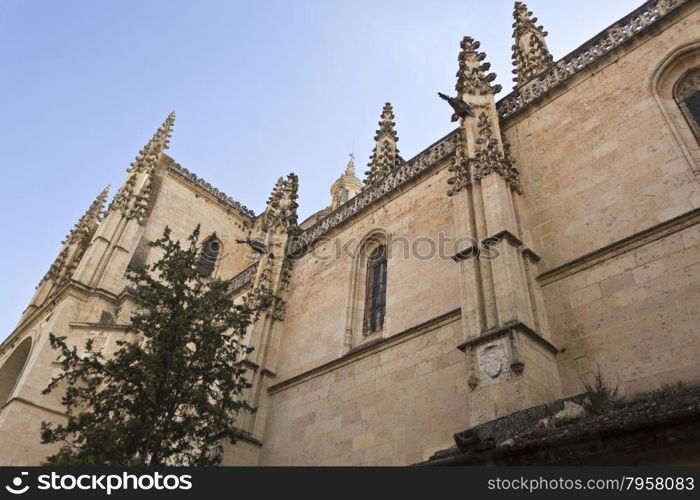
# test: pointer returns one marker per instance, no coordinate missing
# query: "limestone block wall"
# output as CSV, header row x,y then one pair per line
x,y
25,408
181,206
601,166
599,161
634,316
419,287
389,406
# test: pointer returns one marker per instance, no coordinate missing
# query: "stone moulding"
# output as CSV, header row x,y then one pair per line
x,y
219,195
590,52
396,178
628,27
622,31
369,350
621,247
473,251
508,328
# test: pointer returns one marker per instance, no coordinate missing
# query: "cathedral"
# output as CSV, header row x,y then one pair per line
x,y
439,309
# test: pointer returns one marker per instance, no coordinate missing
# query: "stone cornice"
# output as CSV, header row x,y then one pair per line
x,y
99,326
475,251
512,326
589,53
395,179
220,196
53,300
369,349
620,247
32,404
503,235
592,51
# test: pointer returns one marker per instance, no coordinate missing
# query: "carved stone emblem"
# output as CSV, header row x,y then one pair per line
x,y
493,360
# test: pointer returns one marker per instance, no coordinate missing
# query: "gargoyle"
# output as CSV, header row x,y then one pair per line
x,y
256,246
461,108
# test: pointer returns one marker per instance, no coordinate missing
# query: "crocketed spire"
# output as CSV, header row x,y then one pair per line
x,y
531,56
76,242
133,198
385,155
282,206
148,157
472,77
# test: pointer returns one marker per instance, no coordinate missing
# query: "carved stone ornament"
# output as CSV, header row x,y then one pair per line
x,y
99,340
490,159
493,362
243,279
638,21
530,53
378,190
279,309
385,156
134,197
281,212
461,175
472,77
220,196
258,298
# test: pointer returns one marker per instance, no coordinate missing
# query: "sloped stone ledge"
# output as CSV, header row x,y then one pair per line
x,y
654,430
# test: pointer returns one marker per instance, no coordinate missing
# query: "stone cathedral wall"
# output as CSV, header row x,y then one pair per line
x,y
610,205
601,166
611,202
391,403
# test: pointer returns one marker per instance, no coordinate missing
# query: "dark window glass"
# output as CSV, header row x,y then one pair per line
x,y
208,256
692,104
375,295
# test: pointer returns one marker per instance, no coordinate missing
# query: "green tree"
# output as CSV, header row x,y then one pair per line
x,y
172,396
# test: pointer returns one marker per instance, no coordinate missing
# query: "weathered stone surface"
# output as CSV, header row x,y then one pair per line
x,y
558,241
666,423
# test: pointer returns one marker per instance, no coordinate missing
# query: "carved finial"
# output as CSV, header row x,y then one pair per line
x,y
531,56
89,221
134,197
347,186
150,154
77,241
282,206
277,193
472,77
385,155
350,169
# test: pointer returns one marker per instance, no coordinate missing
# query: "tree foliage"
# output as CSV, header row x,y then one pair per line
x,y
171,396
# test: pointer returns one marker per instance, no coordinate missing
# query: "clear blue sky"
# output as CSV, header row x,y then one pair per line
x,y
260,89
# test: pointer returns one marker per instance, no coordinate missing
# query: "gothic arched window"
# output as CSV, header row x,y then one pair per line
x,y
211,250
11,369
687,94
375,294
